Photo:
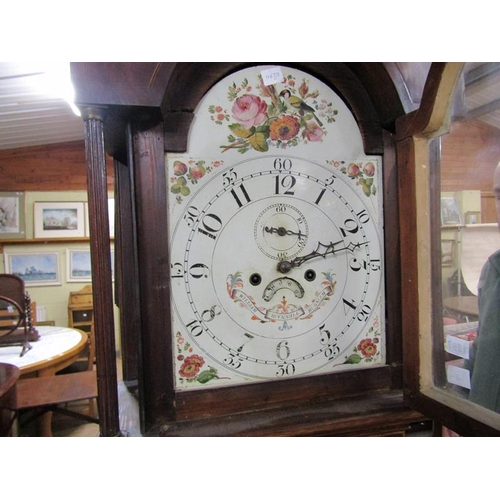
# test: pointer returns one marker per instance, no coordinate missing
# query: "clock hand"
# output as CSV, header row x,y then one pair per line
x,y
285,266
282,231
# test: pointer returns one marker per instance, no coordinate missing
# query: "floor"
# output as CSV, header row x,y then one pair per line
x,y
65,426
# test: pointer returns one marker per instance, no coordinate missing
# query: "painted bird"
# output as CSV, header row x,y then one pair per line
x,y
298,104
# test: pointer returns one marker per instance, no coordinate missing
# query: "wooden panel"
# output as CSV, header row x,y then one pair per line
x,y
156,377
469,155
373,415
55,167
136,84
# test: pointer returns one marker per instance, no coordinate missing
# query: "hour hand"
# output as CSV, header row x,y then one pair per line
x,y
281,231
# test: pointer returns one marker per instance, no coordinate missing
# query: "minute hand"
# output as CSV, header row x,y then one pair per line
x,y
323,250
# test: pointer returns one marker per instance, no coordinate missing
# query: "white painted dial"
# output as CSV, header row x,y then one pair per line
x,y
277,273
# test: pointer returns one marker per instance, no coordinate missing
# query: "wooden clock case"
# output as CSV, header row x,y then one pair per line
x,y
135,112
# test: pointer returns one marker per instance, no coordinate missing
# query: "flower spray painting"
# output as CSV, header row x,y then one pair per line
x,y
260,117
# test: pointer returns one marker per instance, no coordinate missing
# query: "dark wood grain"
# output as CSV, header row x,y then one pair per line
x,y
370,415
156,375
100,254
127,274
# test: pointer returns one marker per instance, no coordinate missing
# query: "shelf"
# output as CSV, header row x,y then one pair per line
x,y
35,241
43,241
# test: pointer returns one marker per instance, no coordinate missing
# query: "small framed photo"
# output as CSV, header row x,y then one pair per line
x,y
447,253
59,220
12,221
78,267
35,269
450,212
473,218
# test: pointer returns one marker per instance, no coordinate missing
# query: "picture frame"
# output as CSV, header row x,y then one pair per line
x,y
35,268
450,212
447,253
79,267
473,217
59,219
12,215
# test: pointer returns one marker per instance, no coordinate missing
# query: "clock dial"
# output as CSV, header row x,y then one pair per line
x,y
277,271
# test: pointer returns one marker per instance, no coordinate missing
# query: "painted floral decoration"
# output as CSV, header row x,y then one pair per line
x,y
281,115
190,173
366,350
362,173
191,364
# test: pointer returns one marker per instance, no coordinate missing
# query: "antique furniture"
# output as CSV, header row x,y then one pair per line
x,y
80,309
143,115
46,394
16,323
58,348
153,116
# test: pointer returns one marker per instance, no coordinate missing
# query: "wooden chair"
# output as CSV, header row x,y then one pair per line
x,y
83,365
44,394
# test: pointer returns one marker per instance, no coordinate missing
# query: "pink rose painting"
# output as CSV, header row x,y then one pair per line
x,y
249,110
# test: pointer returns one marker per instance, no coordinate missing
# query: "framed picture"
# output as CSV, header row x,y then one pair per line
x,y
473,218
447,253
78,265
35,269
12,222
59,220
450,213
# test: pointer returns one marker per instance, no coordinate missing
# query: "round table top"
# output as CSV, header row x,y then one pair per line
x,y
55,345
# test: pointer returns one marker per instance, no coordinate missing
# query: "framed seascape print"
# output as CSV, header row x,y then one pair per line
x,y
12,223
59,220
78,265
450,213
35,269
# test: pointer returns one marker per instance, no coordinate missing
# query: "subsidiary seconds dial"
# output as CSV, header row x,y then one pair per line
x,y
281,231
276,273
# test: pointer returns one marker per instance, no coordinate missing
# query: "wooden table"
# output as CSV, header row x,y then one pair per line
x,y
57,348
464,305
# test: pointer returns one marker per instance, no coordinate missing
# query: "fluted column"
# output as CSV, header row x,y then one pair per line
x,y
100,254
